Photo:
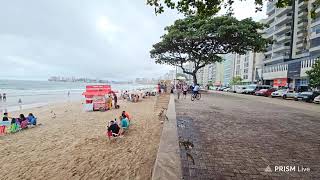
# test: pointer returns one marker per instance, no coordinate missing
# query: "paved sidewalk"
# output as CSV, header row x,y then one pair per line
x,y
229,137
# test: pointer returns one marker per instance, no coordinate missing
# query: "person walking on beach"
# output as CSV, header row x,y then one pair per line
x,y
4,97
115,99
0,97
68,93
20,104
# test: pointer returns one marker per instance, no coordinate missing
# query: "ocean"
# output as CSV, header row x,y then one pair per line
x,y
39,93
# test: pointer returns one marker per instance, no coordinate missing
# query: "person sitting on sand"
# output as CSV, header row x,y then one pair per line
x,y
31,119
5,117
124,123
126,114
23,121
113,129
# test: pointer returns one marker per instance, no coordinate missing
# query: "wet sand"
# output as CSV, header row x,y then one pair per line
x,y
72,145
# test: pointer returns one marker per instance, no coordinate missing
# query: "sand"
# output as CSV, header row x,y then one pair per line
x,y
73,144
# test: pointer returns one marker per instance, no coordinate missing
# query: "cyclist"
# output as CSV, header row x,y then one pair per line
x,y
196,89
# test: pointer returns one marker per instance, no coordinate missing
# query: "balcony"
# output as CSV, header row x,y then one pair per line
x,y
283,19
302,4
315,22
302,23
270,9
316,48
279,57
268,51
303,14
282,11
282,38
301,45
281,48
269,32
315,34
282,29
302,33
270,19
302,53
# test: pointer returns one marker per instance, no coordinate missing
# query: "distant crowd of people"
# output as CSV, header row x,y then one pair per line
x,y
182,87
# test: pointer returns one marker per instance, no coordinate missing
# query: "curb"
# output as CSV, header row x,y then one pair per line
x,y
168,163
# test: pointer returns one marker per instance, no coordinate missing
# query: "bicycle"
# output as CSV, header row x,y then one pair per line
x,y
196,96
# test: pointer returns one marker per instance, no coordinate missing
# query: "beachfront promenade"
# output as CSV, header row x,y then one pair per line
x,y
232,136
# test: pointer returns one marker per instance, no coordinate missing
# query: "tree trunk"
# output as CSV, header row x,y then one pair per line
x,y
194,76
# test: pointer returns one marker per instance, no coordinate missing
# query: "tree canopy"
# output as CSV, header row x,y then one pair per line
x,y
201,41
211,7
314,75
236,80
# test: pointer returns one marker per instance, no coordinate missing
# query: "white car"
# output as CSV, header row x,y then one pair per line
x,y
227,89
240,89
278,93
317,99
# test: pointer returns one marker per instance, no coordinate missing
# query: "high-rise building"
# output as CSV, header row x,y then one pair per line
x,y
228,66
296,46
246,66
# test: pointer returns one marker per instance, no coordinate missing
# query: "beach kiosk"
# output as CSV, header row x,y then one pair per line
x,y
96,97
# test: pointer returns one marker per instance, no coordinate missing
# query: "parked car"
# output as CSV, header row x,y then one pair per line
x,y
240,89
278,93
227,89
307,96
317,99
251,89
265,92
221,88
289,94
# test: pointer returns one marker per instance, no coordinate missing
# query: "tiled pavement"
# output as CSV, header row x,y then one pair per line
x,y
227,137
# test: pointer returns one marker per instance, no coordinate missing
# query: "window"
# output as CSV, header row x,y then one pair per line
x,y
245,71
245,76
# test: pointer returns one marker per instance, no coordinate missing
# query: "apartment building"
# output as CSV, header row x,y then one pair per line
x,y
296,44
246,66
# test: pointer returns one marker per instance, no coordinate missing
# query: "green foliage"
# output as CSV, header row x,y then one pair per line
x,y
201,41
211,7
236,80
314,75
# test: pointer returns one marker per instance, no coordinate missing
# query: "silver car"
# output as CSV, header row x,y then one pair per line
x,y
317,99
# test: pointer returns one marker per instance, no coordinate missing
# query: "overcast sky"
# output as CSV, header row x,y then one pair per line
x,y
106,39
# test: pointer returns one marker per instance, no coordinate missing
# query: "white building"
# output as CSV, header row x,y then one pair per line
x,y
246,67
297,41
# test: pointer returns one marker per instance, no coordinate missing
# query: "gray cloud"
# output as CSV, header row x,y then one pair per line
x,y
104,39
96,38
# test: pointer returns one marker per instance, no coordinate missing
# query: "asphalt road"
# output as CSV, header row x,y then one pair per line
x,y
234,136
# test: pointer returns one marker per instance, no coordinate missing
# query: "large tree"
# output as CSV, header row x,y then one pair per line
x,y
200,41
211,7
314,75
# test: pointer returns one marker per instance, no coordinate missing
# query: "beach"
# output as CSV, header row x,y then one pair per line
x,y
39,93
71,144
